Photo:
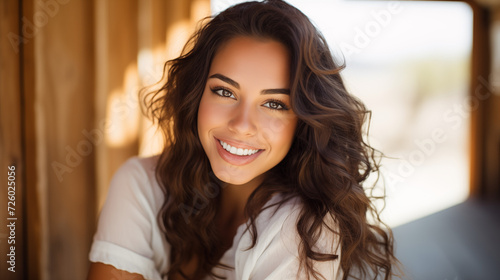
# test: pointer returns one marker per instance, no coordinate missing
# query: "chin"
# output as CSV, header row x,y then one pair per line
x,y
232,180
232,176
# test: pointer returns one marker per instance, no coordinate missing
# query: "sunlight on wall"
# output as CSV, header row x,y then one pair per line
x,y
122,112
151,63
178,34
152,57
409,63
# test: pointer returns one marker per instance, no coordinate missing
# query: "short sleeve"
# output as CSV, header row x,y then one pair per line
x,y
276,254
127,235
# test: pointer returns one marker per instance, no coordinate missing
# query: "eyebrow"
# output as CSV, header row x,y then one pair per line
x,y
236,85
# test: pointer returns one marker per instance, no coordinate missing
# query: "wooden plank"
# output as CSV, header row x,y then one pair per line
x,y
58,79
116,78
492,88
12,167
480,68
34,227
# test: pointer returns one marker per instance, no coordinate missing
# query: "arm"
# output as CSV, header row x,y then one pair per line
x,y
100,271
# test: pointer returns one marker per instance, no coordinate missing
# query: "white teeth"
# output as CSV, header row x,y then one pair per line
x,y
237,151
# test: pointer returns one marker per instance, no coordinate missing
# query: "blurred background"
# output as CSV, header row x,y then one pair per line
x,y
70,72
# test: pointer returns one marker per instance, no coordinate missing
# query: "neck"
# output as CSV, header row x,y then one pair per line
x,y
234,199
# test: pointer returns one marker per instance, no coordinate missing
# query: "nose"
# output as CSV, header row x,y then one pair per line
x,y
243,120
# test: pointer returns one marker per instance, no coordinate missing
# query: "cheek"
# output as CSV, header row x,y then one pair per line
x,y
207,116
279,131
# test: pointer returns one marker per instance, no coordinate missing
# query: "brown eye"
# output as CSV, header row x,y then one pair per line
x,y
226,93
223,92
275,105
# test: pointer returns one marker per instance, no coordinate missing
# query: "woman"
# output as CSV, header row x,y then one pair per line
x,y
262,174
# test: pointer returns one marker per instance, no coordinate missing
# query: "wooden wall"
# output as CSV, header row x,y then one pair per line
x,y
70,115
11,143
492,119
485,89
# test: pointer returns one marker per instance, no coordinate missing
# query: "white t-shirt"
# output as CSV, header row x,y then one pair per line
x,y
129,238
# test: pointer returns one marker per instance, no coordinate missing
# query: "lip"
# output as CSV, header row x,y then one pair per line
x,y
235,159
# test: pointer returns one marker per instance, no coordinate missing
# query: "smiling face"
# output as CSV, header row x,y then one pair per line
x,y
245,122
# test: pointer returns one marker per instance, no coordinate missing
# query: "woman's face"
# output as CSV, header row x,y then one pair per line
x,y
245,122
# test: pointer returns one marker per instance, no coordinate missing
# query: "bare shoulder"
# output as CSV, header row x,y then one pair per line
x,y
102,271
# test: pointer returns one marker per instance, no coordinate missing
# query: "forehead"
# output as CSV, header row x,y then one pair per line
x,y
253,60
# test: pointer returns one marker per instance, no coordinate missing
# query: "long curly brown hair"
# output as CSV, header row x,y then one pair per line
x,y
326,166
